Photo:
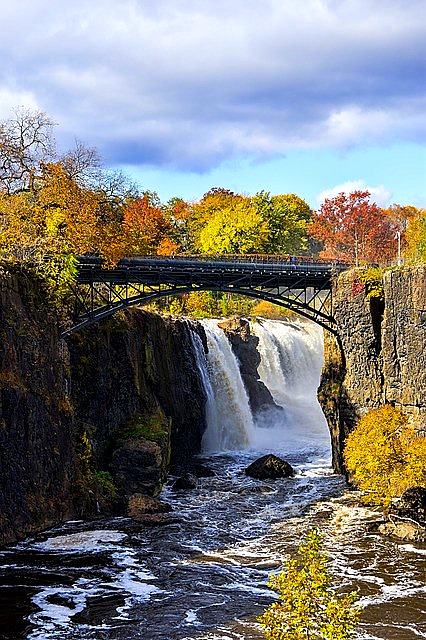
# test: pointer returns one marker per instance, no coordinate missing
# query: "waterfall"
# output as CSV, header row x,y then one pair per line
x,y
230,425
211,414
291,362
292,355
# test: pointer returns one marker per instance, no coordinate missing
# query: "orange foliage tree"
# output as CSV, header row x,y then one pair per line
x,y
145,227
351,228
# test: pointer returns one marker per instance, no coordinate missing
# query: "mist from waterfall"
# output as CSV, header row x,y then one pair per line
x,y
292,356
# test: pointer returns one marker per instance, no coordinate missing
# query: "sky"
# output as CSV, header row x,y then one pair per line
x,y
310,97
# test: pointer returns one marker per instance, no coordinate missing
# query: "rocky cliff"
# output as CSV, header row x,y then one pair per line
x,y
380,354
88,422
244,345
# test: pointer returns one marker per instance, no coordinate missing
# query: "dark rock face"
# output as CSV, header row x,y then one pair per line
x,y
381,353
128,369
138,466
412,505
269,467
244,346
37,456
122,397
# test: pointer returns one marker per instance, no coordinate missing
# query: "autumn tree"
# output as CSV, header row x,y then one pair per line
x,y
354,229
308,608
414,245
212,202
235,228
287,217
385,455
179,213
144,226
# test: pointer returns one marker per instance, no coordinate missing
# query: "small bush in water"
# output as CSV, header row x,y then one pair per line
x,y
308,607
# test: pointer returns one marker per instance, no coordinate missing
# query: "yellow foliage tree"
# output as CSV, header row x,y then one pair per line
x,y
308,608
415,238
237,228
385,455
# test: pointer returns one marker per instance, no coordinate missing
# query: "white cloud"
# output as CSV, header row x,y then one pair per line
x,y
378,194
189,83
11,99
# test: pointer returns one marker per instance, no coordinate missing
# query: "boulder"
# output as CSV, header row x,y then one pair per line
x,y
269,467
139,505
201,471
187,481
138,466
412,505
404,530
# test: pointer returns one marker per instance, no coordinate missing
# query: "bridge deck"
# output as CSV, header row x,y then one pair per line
x,y
301,284
152,270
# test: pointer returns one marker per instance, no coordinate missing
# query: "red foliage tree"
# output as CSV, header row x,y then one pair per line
x,y
353,229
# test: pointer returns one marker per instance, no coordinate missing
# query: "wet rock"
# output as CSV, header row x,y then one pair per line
x,y
412,505
202,471
140,505
269,467
253,490
187,481
138,466
159,519
404,530
244,345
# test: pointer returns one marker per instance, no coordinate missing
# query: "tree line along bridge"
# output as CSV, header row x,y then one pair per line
x,y
302,284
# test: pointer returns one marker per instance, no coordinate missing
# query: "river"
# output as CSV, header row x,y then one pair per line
x,y
203,576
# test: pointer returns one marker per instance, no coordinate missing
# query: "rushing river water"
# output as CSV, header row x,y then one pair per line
x,y
203,576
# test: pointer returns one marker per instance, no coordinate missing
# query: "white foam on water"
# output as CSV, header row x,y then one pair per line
x,y
191,618
93,541
393,592
412,549
52,618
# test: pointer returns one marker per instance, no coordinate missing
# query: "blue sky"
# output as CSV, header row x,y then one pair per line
x,y
311,97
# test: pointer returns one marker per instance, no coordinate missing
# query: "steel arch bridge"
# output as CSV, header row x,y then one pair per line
x,y
300,284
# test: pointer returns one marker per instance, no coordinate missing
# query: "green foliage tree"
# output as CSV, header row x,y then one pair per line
x,y
308,607
288,217
385,455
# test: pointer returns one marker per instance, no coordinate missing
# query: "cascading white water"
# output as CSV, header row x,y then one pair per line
x,y
290,367
291,362
211,413
230,424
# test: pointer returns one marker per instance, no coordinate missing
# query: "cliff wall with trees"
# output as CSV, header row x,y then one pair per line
x,y
381,359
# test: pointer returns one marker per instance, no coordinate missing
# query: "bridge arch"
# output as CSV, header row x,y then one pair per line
x,y
303,286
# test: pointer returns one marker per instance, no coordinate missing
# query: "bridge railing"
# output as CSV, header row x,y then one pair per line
x,y
229,258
